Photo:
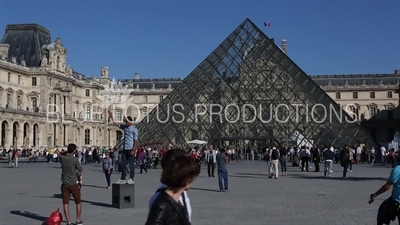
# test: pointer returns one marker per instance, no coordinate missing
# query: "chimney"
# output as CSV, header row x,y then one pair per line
x,y
4,51
284,45
137,76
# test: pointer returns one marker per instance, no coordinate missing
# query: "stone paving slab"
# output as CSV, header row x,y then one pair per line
x,y
30,193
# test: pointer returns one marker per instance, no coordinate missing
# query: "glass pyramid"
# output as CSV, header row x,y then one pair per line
x,y
249,92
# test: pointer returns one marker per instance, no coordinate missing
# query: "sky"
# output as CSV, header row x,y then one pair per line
x,y
168,39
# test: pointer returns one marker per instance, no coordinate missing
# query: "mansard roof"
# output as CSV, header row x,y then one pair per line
x,y
26,41
148,83
357,79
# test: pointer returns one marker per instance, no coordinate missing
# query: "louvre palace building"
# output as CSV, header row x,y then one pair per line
x,y
45,103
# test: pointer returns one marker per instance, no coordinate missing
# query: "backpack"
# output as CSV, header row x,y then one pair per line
x,y
274,155
54,219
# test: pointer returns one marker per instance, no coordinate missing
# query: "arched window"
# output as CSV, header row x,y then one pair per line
x,y
87,137
372,94
373,109
355,109
58,63
34,81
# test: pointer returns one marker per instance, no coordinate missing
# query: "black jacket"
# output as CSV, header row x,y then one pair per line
x,y
316,155
166,211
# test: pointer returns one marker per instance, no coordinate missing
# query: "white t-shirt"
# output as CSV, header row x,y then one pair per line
x,y
358,150
383,150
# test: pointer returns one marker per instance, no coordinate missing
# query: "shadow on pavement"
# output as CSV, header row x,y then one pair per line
x,y
101,204
252,174
203,189
28,215
93,186
248,176
321,177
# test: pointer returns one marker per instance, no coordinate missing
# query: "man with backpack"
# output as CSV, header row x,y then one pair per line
x,y
274,160
328,157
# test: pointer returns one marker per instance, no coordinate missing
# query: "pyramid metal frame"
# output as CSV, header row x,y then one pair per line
x,y
248,68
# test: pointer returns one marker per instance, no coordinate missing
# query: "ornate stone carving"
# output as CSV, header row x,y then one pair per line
x,y
137,86
43,62
329,83
363,82
23,63
57,55
153,86
104,71
68,71
169,86
13,59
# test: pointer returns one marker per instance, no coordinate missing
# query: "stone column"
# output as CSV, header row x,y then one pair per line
x,y
1,132
8,141
27,140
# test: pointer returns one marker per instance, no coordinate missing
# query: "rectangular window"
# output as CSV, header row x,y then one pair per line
x,y
34,103
9,77
390,94
355,95
87,112
161,98
337,95
19,79
87,93
372,94
34,81
118,116
8,100
87,137
19,102
145,98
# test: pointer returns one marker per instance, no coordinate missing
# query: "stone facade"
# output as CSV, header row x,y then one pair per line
x,y
47,104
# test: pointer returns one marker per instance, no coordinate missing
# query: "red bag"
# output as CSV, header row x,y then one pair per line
x,y
54,219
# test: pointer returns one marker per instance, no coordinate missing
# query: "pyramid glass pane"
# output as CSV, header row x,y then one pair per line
x,y
248,89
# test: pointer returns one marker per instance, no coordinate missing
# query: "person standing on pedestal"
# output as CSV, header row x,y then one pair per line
x,y
129,148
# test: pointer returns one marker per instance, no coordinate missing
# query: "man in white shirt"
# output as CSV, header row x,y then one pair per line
x,y
358,154
383,156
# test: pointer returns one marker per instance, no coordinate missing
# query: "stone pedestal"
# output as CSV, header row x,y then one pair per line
x,y
123,196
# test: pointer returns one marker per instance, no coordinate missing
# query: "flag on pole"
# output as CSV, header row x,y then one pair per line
x,y
267,24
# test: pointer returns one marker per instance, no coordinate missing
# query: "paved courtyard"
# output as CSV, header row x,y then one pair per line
x,y
30,193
